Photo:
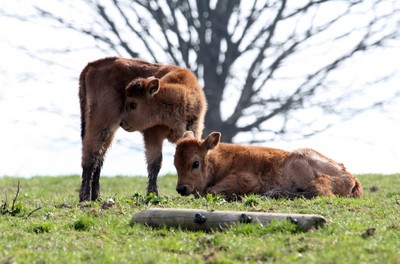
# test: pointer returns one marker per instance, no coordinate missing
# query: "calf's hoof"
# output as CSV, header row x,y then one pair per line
x,y
152,190
84,197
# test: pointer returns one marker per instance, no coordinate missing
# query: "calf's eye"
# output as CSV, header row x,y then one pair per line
x,y
132,106
195,164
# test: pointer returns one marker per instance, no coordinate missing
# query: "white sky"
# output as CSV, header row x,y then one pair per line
x,y
40,123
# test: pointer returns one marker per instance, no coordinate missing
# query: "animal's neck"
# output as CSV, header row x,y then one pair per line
x,y
213,168
172,95
209,170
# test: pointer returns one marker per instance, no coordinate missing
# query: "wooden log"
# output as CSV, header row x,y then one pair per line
x,y
198,219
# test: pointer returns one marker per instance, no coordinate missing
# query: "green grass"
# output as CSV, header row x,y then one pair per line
x,y
62,231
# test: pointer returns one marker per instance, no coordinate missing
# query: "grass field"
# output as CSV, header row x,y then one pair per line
x,y
47,225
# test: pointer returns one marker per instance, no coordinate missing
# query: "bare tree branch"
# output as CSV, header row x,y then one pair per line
x,y
15,198
115,31
247,91
250,47
144,36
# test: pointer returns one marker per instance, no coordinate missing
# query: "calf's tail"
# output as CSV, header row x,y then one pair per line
x,y
82,99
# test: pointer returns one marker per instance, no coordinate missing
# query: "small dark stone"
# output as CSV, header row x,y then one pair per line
x,y
108,203
368,233
373,188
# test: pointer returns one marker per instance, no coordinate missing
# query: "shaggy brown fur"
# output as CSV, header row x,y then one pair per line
x,y
176,102
234,170
102,96
163,108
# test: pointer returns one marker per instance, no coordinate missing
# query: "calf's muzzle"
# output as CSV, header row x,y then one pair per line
x,y
182,190
125,125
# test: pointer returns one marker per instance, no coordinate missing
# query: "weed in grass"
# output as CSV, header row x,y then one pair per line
x,y
154,199
251,201
214,199
16,210
84,223
40,228
138,199
267,257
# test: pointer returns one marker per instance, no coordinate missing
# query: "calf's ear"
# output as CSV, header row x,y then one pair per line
x,y
153,87
212,140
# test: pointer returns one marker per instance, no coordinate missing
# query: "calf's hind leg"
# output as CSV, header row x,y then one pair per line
x,y
106,137
302,178
153,139
94,146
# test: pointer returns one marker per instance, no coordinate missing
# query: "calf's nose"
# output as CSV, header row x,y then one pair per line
x,y
182,190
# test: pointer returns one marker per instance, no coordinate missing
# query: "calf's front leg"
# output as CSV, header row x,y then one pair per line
x,y
234,185
153,139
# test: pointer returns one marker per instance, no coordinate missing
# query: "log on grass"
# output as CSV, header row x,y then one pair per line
x,y
198,219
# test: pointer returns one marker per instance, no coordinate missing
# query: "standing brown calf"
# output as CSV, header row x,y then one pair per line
x,y
102,86
211,167
163,108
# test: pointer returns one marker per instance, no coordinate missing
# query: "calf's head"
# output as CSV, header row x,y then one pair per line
x,y
191,162
140,111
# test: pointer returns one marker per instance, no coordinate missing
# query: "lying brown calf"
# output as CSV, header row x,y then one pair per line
x,y
234,170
